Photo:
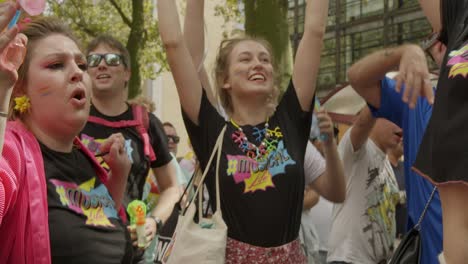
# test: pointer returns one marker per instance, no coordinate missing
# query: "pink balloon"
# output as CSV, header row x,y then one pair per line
x,y
33,7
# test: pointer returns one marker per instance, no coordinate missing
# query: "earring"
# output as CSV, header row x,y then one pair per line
x,y
22,104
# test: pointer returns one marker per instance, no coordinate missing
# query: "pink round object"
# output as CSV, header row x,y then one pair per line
x,y
33,7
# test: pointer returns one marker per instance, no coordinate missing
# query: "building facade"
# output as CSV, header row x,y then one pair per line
x,y
358,27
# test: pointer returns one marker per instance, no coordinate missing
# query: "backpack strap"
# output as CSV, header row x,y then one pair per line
x,y
114,124
140,114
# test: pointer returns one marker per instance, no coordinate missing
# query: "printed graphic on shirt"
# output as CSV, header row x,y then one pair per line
x,y
381,202
94,144
95,203
459,62
257,168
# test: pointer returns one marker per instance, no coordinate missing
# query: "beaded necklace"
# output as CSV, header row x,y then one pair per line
x,y
250,149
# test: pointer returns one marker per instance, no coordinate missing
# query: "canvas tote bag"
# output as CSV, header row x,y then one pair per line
x,y
205,241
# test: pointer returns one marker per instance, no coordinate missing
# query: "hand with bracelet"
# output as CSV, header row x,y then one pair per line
x,y
153,225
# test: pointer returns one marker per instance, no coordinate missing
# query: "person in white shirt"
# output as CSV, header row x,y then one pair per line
x,y
363,227
319,215
314,167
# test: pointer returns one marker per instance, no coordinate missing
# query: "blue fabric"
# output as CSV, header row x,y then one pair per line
x,y
418,189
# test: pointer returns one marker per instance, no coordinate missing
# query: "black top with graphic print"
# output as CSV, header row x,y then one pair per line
x,y
83,222
443,152
93,135
261,201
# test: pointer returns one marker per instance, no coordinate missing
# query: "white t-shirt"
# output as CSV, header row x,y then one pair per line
x,y
320,214
314,164
363,227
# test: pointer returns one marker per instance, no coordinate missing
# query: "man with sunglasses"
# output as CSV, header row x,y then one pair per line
x,y
109,69
173,138
401,106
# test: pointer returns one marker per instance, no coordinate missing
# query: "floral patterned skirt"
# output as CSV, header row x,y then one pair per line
x,y
242,253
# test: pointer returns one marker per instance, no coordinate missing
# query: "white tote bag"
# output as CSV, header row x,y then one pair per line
x,y
203,242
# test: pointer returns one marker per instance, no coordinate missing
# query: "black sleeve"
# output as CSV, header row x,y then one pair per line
x,y
290,107
158,142
454,16
203,136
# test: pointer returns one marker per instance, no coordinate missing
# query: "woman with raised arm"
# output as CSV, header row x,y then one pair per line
x,y
56,203
442,156
261,168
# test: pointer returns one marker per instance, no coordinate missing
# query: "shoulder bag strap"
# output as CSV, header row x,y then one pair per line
x,y
421,218
217,148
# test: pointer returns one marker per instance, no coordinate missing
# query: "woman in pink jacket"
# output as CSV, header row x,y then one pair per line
x,y
56,203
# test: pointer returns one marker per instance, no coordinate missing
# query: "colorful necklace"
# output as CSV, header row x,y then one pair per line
x,y
249,148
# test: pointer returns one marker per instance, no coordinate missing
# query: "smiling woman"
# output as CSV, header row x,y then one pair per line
x,y
234,60
261,169
42,160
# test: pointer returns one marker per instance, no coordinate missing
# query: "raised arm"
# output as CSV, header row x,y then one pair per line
x,y
12,49
331,184
311,198
366,74
194,35
179,58
431,9
119,165
308,53
362,128
194,30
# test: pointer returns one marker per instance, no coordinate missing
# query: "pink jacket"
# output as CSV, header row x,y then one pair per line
x,y
24,229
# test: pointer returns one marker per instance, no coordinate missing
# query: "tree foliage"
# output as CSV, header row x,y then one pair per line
x,y
130,21
269,19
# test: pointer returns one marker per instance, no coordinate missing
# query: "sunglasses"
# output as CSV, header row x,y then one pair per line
x,y
175,139
111,59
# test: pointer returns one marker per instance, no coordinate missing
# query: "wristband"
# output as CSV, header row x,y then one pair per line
x,y
158,221
430,40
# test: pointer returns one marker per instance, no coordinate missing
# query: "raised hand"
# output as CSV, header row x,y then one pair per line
x,y
115,155
325,125
414,74
12,47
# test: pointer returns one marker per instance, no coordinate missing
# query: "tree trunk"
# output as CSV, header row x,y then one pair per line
x,y
135,43
268,19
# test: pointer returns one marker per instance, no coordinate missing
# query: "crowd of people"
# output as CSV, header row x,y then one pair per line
x,y
76,152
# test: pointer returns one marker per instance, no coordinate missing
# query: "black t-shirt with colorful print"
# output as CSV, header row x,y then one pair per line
x,y
93,135
84,224
261,198
442,154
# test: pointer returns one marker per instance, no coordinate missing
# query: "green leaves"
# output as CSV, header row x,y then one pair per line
x,y
118,18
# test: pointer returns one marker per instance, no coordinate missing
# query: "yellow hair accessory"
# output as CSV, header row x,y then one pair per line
x,y
22,104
